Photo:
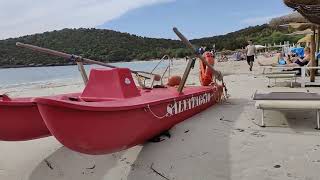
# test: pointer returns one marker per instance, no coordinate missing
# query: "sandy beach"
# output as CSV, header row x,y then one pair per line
x,y
221,143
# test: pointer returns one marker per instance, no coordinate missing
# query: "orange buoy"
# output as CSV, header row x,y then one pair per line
x,y
157,77
174,81
206,77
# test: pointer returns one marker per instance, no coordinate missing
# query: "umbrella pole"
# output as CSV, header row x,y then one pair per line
x,y
318,40
313,52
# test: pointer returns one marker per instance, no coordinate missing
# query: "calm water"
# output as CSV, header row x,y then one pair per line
x,y
38,75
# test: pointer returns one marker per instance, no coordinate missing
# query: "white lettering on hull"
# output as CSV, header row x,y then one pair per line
x,y
189,104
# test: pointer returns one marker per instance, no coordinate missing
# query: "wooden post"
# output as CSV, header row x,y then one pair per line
x,y
185,75
82,72
318,40
313,58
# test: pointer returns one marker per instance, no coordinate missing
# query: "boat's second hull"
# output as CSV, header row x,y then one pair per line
x,y
103,132
21,121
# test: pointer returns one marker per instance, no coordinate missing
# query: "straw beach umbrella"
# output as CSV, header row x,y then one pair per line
x,y
295,21
304,32
306,39
287,19
310,9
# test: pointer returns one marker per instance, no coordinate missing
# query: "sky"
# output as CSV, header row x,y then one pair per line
x,y
150,18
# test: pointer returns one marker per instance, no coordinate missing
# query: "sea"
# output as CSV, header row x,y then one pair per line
x,y
17,77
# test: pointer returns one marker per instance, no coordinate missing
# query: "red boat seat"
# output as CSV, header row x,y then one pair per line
x,y
108,84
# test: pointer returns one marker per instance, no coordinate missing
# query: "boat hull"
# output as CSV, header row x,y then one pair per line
x,y
94,129
21,119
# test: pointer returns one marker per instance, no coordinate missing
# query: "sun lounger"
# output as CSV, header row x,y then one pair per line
x,y
303,80
282,72
291,76
288,101
264,68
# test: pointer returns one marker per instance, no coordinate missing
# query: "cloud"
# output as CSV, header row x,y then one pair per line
x,y
259,20
22,17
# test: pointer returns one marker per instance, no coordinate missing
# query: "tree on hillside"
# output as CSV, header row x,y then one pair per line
x,y
112,46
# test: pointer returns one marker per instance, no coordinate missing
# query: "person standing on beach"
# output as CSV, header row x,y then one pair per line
x,y
201,50
251,52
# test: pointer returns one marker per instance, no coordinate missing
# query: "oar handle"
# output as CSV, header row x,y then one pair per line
x,y
185,40
44,50
61,54
217,74
72,57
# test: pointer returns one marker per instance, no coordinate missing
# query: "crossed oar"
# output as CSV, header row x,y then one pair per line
x,y
81,60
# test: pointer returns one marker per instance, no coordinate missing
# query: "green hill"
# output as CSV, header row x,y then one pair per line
x,y
112,46
102,45
262,35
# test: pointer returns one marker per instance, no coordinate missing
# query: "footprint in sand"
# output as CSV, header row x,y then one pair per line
x,y
257,134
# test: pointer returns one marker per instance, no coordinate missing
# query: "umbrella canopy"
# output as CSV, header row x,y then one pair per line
x,y
305,32
298,51
291,3
298,26
310,9
306,39
287,19
258,47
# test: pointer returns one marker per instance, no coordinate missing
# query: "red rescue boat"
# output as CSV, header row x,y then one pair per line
x,y
21,120
112,114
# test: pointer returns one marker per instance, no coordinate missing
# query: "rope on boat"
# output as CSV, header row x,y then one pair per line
x,y
221,97
158,117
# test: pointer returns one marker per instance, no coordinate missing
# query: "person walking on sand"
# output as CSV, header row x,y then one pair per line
x,y
251,52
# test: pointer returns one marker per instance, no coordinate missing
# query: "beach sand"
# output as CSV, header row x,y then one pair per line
x,y
221,143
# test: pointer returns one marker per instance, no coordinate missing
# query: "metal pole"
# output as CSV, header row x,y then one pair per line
x,y
313,51
318,120
262,119
318,40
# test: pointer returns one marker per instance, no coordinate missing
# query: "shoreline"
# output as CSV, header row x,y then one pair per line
x,y
73,64
30,66
30,84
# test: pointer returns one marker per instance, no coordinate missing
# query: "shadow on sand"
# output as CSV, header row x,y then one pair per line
x,y
300,121
198,149
65,164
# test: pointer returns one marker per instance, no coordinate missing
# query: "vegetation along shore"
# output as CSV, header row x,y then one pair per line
x,y
112,46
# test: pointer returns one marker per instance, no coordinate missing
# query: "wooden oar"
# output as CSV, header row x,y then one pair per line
x,y
185,75
313,52
83,72
78,58
216,73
